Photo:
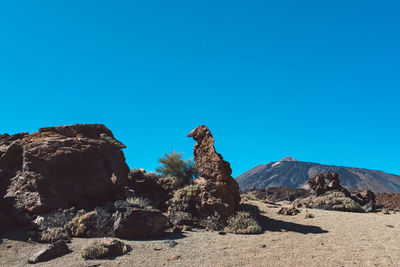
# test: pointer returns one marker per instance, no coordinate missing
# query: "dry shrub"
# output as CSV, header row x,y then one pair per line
x,y
243,223
332,198
104,249
142,202
86,225
186,198
50,235
55,219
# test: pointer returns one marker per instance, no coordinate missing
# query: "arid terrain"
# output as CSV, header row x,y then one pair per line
x,y
331,238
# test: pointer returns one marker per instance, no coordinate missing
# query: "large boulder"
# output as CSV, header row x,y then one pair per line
x,y
149,185
51,251
59,167
331,195
219,192
135,223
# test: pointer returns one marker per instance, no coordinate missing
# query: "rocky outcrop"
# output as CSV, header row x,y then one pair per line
x,y
324,182
134,222
151,186
59,167
219,192
325,186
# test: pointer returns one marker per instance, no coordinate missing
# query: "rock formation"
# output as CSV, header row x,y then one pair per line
x,y
329,182
59,167
324,182
219,192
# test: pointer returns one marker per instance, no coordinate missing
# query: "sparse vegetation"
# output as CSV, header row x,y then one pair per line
x,y
243,223
51,235
86,225
248,197
328,200
94,251
172,165
186,198
142,202
104,249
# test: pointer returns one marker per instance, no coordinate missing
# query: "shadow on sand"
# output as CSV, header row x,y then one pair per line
x,y
166,236
273,225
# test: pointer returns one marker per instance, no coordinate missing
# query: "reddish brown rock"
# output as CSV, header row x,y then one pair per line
x,y
60,167
324,182
219,191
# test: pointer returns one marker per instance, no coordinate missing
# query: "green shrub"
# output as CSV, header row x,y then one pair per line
x,y
172,165
243,223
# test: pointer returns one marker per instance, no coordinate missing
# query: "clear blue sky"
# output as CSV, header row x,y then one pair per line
x,y
316,80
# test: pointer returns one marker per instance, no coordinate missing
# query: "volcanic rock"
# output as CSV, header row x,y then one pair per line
x,y
151,186
219,192
134,223
390,201
180,218
60,167
324,182
51,251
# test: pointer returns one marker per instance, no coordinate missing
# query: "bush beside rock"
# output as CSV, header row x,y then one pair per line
x,y
104,249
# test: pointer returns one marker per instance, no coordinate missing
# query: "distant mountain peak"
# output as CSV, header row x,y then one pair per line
x,y
288,159
286,173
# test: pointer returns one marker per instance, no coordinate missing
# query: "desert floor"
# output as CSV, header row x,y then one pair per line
x,y
330,239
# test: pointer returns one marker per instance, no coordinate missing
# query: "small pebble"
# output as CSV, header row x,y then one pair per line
x,y
176,257
171,243
262,246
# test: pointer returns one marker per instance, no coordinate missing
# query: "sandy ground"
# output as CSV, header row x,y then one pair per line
x,y
330,239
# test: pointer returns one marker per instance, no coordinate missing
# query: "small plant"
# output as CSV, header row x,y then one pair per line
x,y
243,223
139,201
186,198
94,251
86,225
172,165
104,249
